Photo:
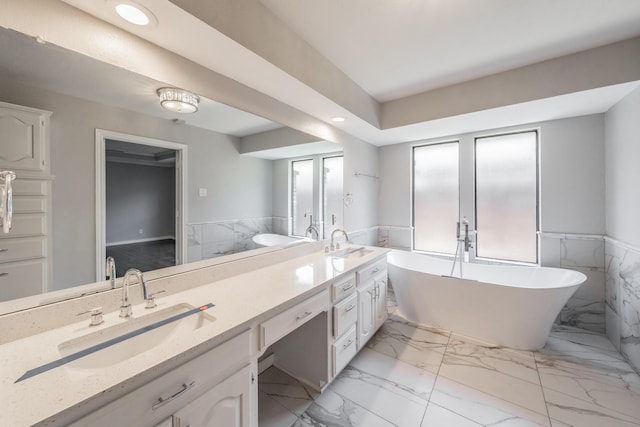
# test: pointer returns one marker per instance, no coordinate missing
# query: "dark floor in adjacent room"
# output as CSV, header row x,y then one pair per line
x,y
144,256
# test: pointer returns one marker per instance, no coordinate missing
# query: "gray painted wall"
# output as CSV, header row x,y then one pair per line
x,y
622,124
139,197
572,176
238,187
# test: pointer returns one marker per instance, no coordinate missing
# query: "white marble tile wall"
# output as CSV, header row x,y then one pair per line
x,y
584,253
623,299
213,239
368,237
394,237
280,225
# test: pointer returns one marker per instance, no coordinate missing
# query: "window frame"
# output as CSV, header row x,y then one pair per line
x,y
322,189
475,195
292,192
413,193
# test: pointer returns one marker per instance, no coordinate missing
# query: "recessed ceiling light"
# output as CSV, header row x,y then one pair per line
x,y
134,13
338,119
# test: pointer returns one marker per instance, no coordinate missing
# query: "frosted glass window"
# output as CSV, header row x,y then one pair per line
x,y
332,188
435,197
507,197
301,195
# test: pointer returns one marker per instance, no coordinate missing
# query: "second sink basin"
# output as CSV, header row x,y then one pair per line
x,y
352,252
120,342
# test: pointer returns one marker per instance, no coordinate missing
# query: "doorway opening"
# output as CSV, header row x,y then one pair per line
x,y
140,206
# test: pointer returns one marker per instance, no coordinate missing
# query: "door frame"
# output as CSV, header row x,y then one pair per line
x,y
101,203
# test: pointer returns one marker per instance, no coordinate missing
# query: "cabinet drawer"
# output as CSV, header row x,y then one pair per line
x,y
28,187
280,325
21,279
343,350
22,249
142,407
28,204
370,271
345,314
26,225
343,287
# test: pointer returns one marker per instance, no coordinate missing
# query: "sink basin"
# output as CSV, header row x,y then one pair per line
x,y
354,252
117,343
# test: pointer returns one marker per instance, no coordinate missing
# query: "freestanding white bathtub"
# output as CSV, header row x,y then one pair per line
x,y
268,239
511,306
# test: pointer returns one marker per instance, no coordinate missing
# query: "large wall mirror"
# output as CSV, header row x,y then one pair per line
x,y
208,195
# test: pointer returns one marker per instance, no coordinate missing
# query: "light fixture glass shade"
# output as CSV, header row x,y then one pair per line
x,y
132,14
178,100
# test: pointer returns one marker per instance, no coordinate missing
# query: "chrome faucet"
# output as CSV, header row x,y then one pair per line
x,y
125,307
312,229
337,245
111,271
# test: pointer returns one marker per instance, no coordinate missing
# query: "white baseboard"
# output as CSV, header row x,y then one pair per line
x,y
148,239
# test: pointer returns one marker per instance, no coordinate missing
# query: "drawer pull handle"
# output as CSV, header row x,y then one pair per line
x,y
347,344
302,316
4,274
185,387
375,270
347,287
4,249
351,307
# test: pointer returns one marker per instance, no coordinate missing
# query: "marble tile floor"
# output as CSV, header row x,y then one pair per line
x,y
412,376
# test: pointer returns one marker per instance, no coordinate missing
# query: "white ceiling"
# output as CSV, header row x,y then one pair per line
x,y
396,48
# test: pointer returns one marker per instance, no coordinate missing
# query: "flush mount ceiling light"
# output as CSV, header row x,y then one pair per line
x,y
133,12
178,100
337,119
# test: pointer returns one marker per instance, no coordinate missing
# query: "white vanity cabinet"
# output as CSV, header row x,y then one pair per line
x,y
25,264
212,389
380,285
226,404
366,312
345,317
372,299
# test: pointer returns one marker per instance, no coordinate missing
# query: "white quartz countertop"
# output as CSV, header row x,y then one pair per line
x,y
240,302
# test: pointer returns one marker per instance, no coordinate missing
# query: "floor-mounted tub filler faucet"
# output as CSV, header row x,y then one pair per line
x,y
310,230
337,245
467,245
111,271
467,242
125,307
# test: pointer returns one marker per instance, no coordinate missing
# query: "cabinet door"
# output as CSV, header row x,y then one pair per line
x,y
366,312
381,300
226,404
21,145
